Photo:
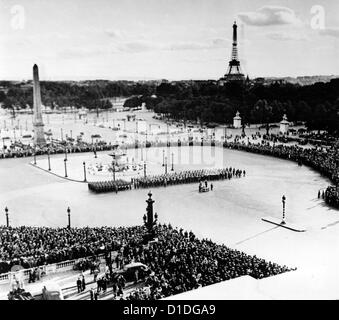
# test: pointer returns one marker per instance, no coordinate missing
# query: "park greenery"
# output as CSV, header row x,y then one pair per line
x,y
316,105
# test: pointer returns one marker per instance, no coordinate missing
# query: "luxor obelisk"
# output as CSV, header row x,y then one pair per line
x,y
39,136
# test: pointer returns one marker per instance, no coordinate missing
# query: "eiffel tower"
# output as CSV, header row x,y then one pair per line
x,y
234,72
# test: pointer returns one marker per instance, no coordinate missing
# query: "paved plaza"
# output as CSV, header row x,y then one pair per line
x,y
231,214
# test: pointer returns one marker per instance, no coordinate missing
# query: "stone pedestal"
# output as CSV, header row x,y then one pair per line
x,y
284,125
237,121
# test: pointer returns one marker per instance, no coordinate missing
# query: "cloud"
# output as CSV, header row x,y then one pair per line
x,y
283,36
140,46
144,46
115,34
332,32
137,46
270,16
72,53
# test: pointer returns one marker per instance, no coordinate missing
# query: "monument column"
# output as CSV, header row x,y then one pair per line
x,y
39,136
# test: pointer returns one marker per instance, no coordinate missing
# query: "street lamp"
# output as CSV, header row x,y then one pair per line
x,y
65,152
69,217
113,167
49,161
163,158
65,162
145,169
84,164
283,202
7,220
172,169
34,155
165,165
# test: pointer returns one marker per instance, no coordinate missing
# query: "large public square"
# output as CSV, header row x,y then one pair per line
x,y
230,215
169,150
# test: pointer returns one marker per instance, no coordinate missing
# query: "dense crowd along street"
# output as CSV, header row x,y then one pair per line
x,y
181,262
36,246
19,150
332,196
178,261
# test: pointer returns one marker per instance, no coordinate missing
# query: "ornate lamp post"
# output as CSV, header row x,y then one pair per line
x,y
84,164
283,202
163,158
7,220
145,169
65,152
172,169
69,217
65,162
150,221
165,165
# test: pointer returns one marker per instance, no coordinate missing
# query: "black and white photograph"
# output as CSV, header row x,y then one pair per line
x,y
169,150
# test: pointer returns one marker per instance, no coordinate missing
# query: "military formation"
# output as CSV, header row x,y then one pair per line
x,y
109,186
183,177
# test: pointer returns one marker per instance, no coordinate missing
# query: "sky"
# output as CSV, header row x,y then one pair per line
x,y
166,39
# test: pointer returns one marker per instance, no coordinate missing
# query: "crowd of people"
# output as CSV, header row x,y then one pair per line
x,y
190,176
332,196
37,246
18,149
178,260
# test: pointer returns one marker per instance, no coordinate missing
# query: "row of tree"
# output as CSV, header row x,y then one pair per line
x,y
89,94
317,105
206,101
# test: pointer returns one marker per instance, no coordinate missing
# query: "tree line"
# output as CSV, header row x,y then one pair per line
x,y
205,101
317,105
88,94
